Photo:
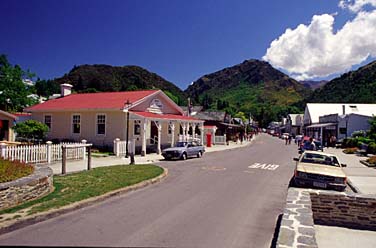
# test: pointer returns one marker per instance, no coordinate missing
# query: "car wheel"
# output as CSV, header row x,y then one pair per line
x,y
184,156
199,154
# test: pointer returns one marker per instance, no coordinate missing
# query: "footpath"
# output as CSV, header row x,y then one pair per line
x,y
362,177
81,165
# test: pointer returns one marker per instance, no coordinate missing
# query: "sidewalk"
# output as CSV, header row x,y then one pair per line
x,y
81,165
361,176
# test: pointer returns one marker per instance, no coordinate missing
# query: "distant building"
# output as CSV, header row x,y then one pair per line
x,y
321,120
294,124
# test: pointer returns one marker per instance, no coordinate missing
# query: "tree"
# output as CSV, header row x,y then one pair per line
x,y
241,115
46,87
372,130
31,130
13,92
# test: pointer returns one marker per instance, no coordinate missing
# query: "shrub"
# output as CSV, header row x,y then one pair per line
x,y
350,150
12,170
349,142
359,133
372,160
371,148
364,140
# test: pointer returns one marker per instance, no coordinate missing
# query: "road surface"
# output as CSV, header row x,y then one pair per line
x,y
225,199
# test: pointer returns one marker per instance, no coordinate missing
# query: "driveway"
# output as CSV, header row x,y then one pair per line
x,y
226,199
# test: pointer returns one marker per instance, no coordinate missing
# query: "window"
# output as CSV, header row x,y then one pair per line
x,y
48,121
170,128
137,127
76,124
101,124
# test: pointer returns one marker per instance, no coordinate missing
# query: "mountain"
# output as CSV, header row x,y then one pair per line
x,y
92,78
353,87
314,84
251,87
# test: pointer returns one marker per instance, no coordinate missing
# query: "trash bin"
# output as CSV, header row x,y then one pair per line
x,y
208,139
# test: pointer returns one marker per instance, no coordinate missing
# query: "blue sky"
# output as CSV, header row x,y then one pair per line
x,y
179,40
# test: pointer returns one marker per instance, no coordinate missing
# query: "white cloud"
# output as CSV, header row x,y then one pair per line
x,y
315,50
356,5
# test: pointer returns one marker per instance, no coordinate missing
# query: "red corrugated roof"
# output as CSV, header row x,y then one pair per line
x,y
103,100
165,116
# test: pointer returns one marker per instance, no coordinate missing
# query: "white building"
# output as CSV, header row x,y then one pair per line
x,y
322,120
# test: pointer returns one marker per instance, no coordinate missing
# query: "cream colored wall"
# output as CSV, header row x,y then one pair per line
x,y
62,126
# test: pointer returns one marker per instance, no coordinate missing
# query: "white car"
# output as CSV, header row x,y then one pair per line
x,y
321,170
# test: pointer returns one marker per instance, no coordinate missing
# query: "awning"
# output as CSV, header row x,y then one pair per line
x,y
166,116
318,125
231,125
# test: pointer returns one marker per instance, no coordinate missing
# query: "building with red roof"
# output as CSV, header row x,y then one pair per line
x,y
100,118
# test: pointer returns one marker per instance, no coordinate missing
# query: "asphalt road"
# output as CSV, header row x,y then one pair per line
x,y
225,199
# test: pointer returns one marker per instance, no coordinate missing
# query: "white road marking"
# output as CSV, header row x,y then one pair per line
x,y
264,166
213,168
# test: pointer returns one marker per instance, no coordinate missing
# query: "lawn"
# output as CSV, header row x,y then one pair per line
x,y
83,185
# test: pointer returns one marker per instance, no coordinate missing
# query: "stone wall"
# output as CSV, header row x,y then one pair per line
x,y
297,227
306,207
26,188
346,210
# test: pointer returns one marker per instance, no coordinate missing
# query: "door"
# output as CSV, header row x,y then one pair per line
x,y
153,133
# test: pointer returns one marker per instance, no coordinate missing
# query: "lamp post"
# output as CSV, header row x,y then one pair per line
x,y
127,105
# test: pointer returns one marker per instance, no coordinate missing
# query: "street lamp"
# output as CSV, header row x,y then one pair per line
x,y
127,105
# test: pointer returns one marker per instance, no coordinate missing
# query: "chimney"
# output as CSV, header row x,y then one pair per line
x,y
343,109
65,89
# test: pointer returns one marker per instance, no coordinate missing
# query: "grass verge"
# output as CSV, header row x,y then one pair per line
x,y
83,185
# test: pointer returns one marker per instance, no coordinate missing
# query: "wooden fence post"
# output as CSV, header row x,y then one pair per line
x,y
49,152
84,148
89,158
64,160
3,148
116,147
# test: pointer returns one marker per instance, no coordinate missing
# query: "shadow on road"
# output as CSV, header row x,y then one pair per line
x,y
276,231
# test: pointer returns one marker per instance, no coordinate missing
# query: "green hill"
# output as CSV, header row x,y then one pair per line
x,y
94,78
353,87
251,87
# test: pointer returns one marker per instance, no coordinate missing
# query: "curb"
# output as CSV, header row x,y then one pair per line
x,y
352,186
39,217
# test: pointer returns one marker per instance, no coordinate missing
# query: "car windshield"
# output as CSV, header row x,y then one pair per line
x,y
181,144
315,158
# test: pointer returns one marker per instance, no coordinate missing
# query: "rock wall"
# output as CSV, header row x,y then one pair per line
x,y
347,210
306,207
26,188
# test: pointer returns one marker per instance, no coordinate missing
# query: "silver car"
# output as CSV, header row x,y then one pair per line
x,y
184,150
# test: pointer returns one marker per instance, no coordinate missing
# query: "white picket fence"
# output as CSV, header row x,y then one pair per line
x,y
46,153
120,147
220,140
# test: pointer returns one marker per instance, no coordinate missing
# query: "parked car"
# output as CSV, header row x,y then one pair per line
x,y
184,150
306,144
321,170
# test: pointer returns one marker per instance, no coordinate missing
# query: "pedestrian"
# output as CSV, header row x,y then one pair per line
x,y
312,145
290,137
334,141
